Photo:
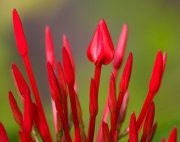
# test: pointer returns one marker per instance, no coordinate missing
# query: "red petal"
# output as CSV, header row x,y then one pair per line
x,y
19,35
101,48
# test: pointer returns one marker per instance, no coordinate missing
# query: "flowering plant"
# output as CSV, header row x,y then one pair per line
x,y
32,121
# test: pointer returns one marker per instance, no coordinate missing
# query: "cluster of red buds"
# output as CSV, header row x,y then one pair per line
x,y
61,76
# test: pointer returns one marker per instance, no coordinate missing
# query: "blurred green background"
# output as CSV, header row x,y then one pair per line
x,y
153,25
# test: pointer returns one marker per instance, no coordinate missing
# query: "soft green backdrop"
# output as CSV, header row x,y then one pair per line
x,y
153,25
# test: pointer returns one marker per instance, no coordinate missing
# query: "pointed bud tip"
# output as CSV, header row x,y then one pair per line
x,y
126,74
121,46
68,67
157,73
19,34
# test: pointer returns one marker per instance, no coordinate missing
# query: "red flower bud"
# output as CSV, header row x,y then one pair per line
x,y
20,81
101,48
15,109
49,47
53,82
173,135
126,74
119,52
68,68
133,133
67,46
157,73
3,134
19,35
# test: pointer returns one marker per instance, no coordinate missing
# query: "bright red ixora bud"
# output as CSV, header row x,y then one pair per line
x,y
126,74
3,134
157,73
133,133
67,46
15,109
19,34
53,82
173,135
119,52
101,48
49,47
20,81
68,68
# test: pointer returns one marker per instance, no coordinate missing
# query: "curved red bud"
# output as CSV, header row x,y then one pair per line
x,y
157,73
49,47
133,133
101,48
68,68
126,74
3,134
20,81
15,109
53,82
67,46
173,135
119,52
19,34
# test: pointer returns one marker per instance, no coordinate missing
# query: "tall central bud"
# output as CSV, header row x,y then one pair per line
x,y
101,48
100,51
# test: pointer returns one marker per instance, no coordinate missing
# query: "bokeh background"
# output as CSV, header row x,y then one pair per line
x,y
153,25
